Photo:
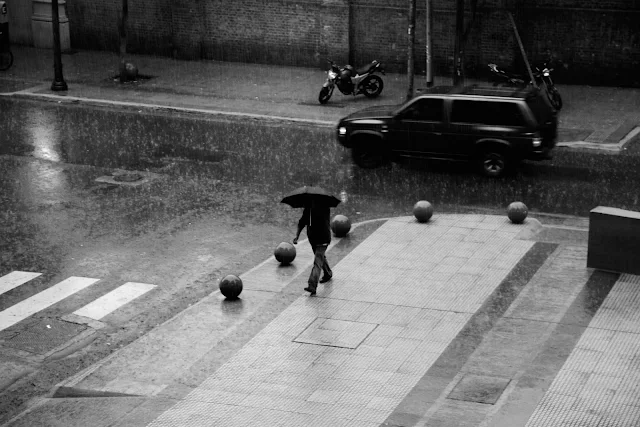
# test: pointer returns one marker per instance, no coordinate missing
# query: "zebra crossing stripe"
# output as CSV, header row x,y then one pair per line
x,y
15,279
42,300
110,302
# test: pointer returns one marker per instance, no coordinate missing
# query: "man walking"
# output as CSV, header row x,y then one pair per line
x,y
316,218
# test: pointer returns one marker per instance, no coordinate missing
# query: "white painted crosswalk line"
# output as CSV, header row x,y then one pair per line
x,y
15,279
109,302
42,300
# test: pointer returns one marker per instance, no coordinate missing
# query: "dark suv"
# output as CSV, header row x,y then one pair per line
x,y
493,127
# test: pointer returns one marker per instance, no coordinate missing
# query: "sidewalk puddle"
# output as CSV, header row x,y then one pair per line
x,y
9,86
570,135
479,389
317,104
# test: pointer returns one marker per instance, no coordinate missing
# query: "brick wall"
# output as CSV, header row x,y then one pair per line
x,y
596,41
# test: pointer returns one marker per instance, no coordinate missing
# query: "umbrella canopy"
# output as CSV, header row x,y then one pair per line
x,y
302,196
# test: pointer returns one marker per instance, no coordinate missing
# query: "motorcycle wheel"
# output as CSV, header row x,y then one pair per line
x,y
325,94
372,86
555,99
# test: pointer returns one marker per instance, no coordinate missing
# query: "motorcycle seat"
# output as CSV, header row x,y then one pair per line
x,y
367,68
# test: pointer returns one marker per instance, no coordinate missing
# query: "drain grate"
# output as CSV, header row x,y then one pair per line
x,y
45,335
479,389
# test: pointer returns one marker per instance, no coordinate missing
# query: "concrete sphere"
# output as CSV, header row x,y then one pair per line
x,y
285,253
517,212
423,211
340,225
231,286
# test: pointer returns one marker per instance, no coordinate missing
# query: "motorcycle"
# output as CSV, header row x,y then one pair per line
x,y
542,79
351,81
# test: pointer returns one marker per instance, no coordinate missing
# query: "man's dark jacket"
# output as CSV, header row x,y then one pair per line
x,y
318,223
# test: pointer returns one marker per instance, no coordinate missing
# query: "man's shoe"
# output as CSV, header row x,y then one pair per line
x,y
311,290
325,279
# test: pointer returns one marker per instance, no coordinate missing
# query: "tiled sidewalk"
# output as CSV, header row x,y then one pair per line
x,y
464,321
599,383
352,354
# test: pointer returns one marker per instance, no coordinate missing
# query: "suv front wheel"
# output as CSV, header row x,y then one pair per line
x,y
368,155
494,162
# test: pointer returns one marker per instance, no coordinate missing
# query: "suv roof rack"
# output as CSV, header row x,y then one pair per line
x,y
492,91
507,92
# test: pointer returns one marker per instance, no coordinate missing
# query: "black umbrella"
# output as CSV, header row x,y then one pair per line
x,y
302,196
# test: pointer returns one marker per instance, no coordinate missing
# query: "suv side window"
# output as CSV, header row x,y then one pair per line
x,y
487,112
426,109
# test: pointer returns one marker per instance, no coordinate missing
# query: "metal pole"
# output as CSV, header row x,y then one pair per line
x,y
429,74
524,54
58,81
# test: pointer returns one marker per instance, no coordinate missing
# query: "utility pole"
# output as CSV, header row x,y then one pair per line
x,y
429,44
522,51
352,33
457,60
58,81
412,42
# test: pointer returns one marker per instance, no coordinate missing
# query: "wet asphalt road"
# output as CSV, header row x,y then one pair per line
x,y
210,208
279,156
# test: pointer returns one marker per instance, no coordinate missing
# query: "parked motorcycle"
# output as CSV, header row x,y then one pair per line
x,y
351,81
542,78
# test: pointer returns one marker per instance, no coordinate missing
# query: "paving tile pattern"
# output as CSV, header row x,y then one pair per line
x,y
395,304
599,384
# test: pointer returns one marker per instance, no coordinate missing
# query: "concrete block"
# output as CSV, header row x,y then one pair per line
x,y
614,240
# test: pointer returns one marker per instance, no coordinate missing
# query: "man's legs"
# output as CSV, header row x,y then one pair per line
x,y
327,273
319,264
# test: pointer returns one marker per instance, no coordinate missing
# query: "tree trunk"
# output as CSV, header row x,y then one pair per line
x,y
457,47
429,44
465,36
122,30
410,49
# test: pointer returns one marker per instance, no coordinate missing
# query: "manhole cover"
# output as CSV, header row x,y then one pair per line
x,y
45,335
335,333
479,388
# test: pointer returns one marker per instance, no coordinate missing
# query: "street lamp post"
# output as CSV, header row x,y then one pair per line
x,y
58,81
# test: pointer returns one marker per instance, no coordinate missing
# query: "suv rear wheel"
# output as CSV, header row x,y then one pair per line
x,y
494,162
368,154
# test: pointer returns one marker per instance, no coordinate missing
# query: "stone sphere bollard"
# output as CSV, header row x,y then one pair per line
x,y
517,212
340,225
285,253
423,211
230,286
